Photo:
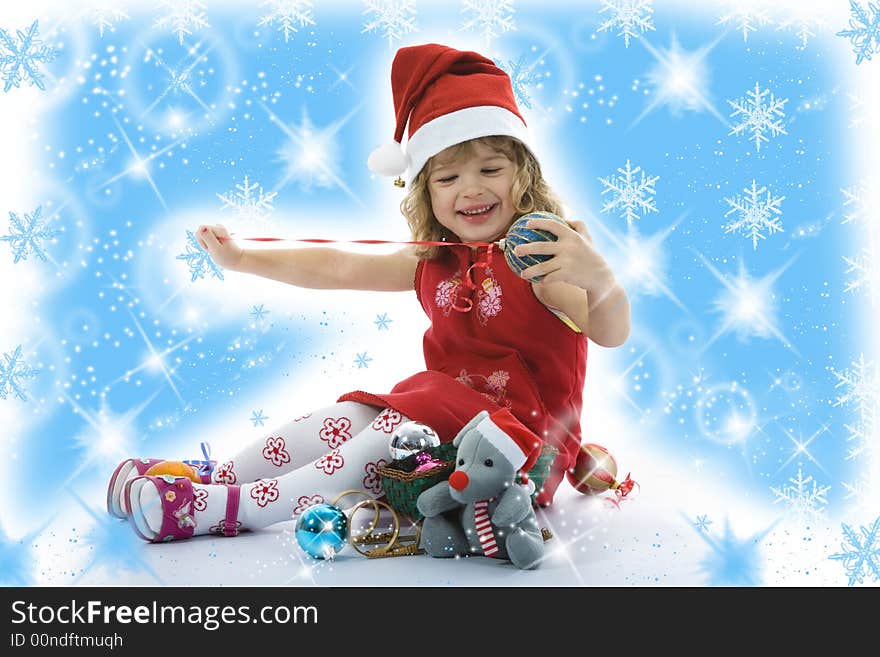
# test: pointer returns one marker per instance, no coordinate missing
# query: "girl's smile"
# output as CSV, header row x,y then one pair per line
x,y
478,214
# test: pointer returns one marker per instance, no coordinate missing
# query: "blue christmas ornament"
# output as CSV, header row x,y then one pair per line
x,y
322,530
518,234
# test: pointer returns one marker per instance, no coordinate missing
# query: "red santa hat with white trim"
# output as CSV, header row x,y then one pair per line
x,y
442,97
512,438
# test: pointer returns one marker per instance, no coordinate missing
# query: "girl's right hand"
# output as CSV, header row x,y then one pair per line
x,y
225,252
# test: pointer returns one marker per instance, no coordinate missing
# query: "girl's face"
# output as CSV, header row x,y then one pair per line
x,y
470,195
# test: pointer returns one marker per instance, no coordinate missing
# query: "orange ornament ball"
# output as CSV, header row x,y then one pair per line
x,y
595,470
174,469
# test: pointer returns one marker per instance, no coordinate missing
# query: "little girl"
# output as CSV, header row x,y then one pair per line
x,y
497,342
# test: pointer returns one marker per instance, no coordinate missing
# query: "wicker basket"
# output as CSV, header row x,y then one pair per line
x,y
402,487
541,470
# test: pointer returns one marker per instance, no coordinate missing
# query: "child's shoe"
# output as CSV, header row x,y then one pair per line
x,y
166,508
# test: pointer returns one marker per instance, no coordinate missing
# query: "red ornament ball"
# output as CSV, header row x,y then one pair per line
x,y
595,470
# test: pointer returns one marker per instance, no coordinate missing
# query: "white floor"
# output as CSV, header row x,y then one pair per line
x,y
648,541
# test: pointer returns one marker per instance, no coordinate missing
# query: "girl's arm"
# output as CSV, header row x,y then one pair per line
x,y
602,315
578,282
317,268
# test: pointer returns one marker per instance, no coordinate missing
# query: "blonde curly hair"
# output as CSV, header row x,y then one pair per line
x,y
529,191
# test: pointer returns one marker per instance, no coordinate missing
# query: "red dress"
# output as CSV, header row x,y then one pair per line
x,y
506,350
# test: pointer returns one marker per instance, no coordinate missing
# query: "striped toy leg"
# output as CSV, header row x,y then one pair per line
x,y
295,444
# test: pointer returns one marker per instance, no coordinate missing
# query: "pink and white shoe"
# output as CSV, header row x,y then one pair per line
x,y
165,508
136,467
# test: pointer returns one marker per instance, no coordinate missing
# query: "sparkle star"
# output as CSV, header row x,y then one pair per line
x,y
311,155
747,305
681,80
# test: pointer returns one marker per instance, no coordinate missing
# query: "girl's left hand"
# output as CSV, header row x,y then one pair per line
x,y
575,260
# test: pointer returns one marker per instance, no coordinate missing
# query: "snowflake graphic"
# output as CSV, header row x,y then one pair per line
x,y
12,371
757,117
259,313
862,386
288,14
258,418
491,17
393,18
855,199
747,19
755,215
861,433
18,61
629,196
198,259
802,27
26,237
859,558
362,360
631,16
522,76
248,204
799,497
859,490
105,14
382,321
862,390
182,16
701,524
864,32
864,270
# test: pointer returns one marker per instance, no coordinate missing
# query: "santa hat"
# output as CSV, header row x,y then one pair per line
x,y
512,438
444,96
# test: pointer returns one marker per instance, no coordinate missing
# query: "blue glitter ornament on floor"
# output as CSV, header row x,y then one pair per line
x,y
518,234
322,531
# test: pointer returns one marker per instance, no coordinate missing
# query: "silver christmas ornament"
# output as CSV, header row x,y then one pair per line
x,y
412,437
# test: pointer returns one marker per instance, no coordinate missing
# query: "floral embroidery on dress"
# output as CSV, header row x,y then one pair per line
x,y
446,291
487,301
488,298
492,387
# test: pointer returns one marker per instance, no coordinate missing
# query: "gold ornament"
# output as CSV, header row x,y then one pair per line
x,y
398,182
388,544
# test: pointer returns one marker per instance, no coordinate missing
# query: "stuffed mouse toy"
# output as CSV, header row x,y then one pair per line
x,y
494,515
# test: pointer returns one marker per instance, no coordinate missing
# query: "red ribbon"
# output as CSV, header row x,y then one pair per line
x,y
621,490
326,241
462,303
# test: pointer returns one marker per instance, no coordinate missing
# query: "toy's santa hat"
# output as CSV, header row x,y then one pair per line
x,y
512,438
444,96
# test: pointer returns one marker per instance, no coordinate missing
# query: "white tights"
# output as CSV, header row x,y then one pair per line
x,y
309,460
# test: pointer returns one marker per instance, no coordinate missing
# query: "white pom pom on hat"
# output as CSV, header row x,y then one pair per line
x,y
388,160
